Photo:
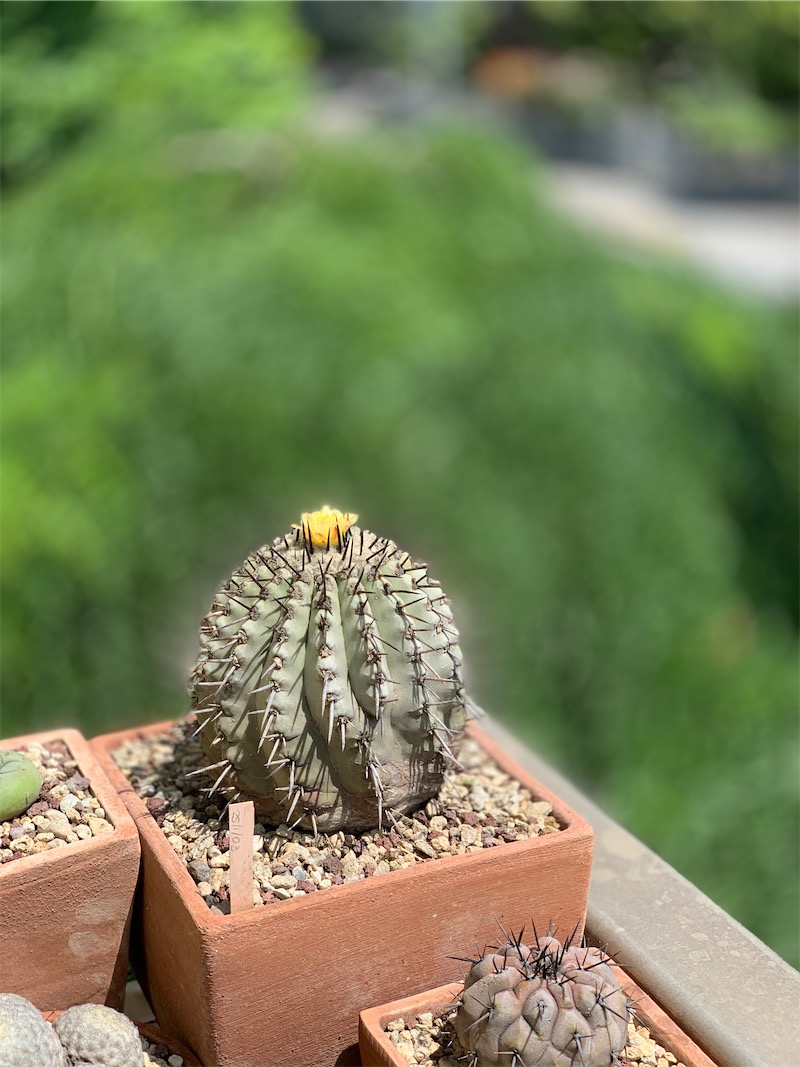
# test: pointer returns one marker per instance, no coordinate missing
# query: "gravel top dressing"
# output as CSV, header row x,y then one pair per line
x,y
430,1041
478,807
154,1055
65,812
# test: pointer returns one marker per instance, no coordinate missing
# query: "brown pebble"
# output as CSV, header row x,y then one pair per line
x,y
332,864
336,879
78,781
267,897
279,868
490,842
369,870
307,887
471,818
223,841
39,807
490,820
420,816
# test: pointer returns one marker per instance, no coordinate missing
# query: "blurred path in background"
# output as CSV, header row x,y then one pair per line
x,y
752,246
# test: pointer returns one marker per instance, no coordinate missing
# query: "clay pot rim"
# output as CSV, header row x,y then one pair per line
x,y
573,827
90,767
663,1029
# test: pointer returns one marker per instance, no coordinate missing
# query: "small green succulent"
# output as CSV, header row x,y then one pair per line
x,y
20,782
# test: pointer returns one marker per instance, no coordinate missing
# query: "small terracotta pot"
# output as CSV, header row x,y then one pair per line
x,y
65,913
284,984
152,1033
378,1051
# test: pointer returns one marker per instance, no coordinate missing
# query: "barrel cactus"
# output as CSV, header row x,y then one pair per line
x,y
26,1040
93,1035
548,1005
20,783
328,688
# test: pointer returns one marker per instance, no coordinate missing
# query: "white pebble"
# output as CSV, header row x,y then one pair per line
x,y
99,826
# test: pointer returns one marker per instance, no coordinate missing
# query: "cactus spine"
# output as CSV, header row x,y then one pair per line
x,y
328,687
543,1006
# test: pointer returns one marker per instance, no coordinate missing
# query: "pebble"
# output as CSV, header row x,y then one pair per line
x,y
200,871
57,823
479,806
283,881
100,826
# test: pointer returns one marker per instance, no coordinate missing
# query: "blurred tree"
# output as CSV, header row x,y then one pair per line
x,y
755,41
214,320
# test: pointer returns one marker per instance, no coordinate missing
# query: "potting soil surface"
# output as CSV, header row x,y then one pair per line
x,y
478,807
65,812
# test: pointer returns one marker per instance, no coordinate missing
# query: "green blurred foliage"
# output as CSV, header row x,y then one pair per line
x,y
725,72
214,320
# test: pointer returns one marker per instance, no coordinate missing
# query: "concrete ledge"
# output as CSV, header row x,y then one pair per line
x,y
728,990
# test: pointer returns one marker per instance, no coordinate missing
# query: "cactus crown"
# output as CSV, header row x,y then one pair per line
x,y
328,686
546,1005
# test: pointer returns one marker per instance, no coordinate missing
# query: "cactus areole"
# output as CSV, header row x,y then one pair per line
x,y
328,688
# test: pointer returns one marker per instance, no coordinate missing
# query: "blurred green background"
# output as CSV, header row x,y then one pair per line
x,y
217,315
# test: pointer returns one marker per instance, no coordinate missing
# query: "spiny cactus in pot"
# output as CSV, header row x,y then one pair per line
x,y
544,1005
328,688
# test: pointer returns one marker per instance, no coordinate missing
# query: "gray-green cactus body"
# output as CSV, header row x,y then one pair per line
x,y
26,1040
93,1035
328,688
542,1006
20,782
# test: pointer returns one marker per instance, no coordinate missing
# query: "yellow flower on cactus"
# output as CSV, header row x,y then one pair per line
x,y
326,527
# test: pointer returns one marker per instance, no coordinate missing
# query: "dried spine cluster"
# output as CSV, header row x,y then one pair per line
x,y
328,688
549,1005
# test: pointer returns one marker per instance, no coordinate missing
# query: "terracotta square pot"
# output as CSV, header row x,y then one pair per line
x,y
283,984
65,913
378,1051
